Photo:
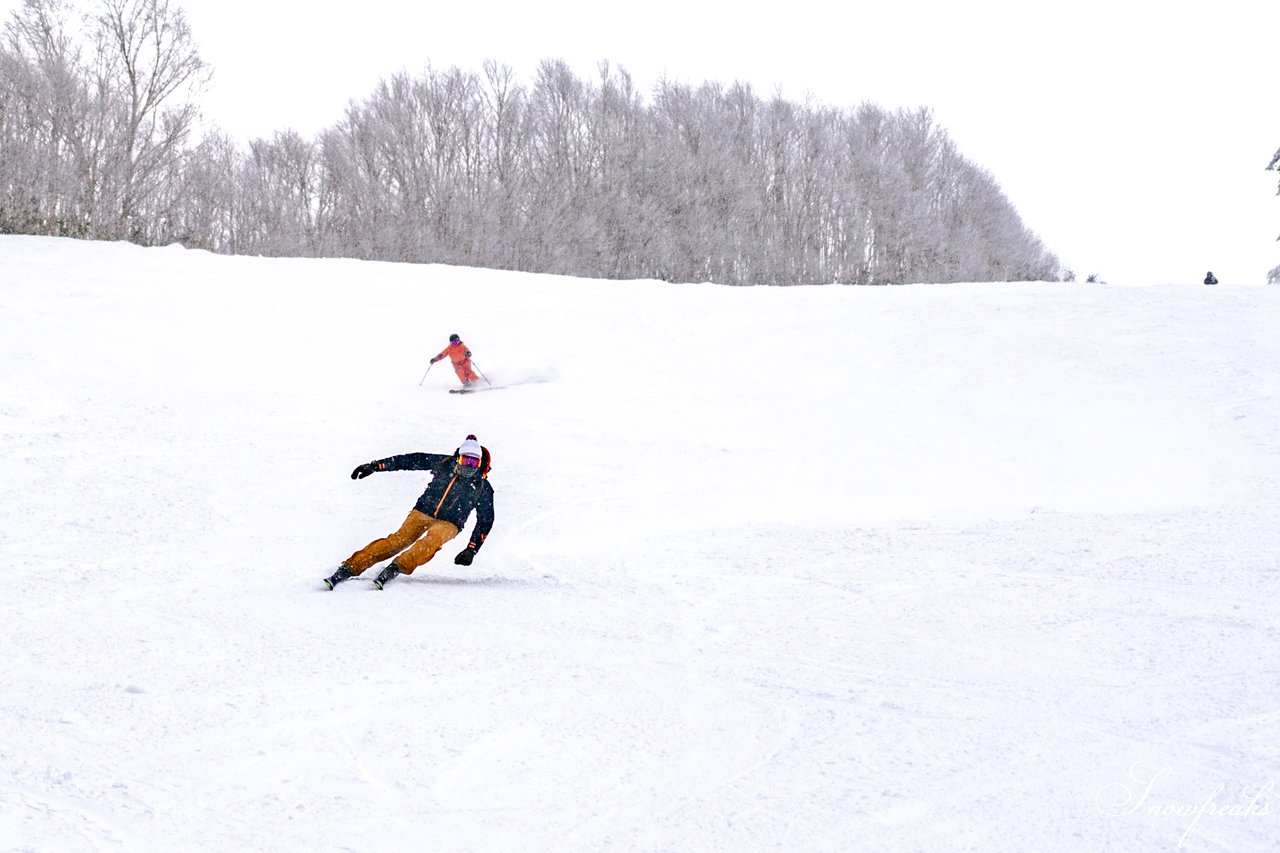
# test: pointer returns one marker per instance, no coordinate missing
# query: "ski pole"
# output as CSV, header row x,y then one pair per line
x,y
481,372
424,376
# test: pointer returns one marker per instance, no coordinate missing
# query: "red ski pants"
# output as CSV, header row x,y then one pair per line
x,y
416,542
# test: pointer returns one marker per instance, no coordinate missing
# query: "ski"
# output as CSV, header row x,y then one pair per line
x,y
343,574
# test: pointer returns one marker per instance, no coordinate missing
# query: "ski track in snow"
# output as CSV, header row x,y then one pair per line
x,y
966,567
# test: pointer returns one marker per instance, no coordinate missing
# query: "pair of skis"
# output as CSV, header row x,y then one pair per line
x,y
344,574
373,581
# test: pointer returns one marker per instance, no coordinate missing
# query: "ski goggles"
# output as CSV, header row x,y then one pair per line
x,y
469,461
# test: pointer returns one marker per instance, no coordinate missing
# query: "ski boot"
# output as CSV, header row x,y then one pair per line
x,y
342,574
386,575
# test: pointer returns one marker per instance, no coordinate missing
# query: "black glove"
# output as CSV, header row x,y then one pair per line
x,y
363,471
465,556
434,360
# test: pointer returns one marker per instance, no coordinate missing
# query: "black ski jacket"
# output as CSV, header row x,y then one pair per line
x,y
449,497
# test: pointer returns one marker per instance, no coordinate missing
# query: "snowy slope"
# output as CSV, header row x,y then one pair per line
x,y
971,567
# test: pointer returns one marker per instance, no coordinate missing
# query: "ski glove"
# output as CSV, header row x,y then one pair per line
x,y
465,556
363,470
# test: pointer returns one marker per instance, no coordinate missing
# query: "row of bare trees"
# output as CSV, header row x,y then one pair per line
x,y
587,177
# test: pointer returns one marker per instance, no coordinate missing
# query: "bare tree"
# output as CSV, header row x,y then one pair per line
x,y
206,199
503,177
282,188
148,74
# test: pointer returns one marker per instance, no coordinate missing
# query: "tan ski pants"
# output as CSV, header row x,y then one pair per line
x,y
416,542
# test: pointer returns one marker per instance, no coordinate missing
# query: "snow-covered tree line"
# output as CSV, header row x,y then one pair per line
x,y
98,139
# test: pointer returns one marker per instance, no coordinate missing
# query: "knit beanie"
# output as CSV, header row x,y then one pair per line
x,y
471,447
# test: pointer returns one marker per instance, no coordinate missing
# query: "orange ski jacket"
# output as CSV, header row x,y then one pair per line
x,y
456,352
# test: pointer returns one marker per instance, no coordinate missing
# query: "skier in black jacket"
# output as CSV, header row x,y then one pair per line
x,y
459,484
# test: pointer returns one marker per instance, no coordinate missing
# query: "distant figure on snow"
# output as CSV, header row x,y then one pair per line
x,y
459,484
458,353
1209,278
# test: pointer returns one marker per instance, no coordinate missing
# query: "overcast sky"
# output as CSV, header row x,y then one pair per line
x,y
1131,136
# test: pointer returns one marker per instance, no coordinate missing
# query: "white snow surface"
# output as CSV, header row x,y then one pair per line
x,y
938,567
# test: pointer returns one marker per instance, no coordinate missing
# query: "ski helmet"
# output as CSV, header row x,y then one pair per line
x,y
454,338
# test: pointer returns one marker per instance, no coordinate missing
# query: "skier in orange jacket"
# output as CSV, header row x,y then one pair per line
x,y
458,353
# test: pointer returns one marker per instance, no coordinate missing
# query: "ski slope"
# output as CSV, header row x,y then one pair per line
x,y
966,567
